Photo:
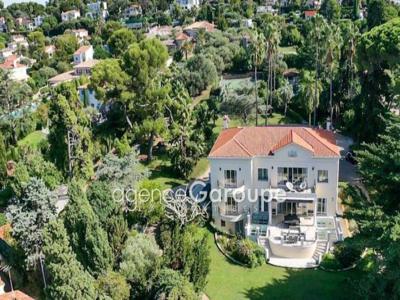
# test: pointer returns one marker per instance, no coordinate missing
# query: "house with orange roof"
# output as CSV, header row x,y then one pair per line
x,y
84,53
16,70
195,27
278,185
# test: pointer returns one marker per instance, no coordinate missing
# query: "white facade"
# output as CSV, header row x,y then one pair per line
x,y
133,11
38,21
285,191
70,15
188,4
84,53
97,10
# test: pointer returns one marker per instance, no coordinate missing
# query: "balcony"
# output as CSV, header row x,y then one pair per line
x,y
230,184
231,213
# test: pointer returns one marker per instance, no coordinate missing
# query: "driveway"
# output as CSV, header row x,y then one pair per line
x,y
347,171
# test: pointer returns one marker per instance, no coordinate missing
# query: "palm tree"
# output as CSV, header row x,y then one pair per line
x,y
331,62
258,41
309,90
272,39
286,94
187,47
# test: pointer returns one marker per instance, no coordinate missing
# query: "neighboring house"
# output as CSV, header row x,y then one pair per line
x,y
181,38
308,14
97,10
292,75
3,25
263,9
70,15
83,54
194,28
16,70
133,10
248,23
50,50
38,21
6,52
25,22
18,41
159,31
188,4
81,69
80,34
279,186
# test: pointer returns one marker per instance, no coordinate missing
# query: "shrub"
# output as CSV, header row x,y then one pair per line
x,y
3,219
329,261
346,254
249,253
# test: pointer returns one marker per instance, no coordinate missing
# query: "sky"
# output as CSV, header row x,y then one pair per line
x,y
8,2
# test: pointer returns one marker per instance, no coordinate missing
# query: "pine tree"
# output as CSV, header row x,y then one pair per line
x,y
88,240
68,280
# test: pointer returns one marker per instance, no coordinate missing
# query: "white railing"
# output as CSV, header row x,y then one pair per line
x,y
230,184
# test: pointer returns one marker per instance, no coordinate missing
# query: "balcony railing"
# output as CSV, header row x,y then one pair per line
x,y
230,184
230,210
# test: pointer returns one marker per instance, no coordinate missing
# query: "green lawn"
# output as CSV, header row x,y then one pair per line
x,y
200,168
233,282
288,50
33,139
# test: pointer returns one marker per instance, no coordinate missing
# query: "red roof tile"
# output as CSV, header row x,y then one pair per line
x,y
182,37
263,141
82,50
11,62
16,295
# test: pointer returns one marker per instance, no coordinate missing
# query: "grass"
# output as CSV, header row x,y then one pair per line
x,y
200,169
288,50
33,139
229,281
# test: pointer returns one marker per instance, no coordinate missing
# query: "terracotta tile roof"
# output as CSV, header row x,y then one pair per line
x,y
201,24
87,64
4,230
11,62
263,141
310,13
16,295
182,37
82,49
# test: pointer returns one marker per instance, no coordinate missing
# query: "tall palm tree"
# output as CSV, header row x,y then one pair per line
x,y
272,39
257,42
331,62
187,47
309,90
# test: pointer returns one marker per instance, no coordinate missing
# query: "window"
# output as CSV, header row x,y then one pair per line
x,y
293,175
262,174
321,206
222,223
230,178
323,176
292,153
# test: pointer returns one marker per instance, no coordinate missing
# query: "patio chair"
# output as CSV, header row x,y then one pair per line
x,y
303,186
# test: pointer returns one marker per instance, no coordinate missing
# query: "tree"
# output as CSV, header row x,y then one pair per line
x,y
172,285
113,285
140,264
88,240
145,62
309,92
330,9
120,41
68,279
29,214
110,215
380,12
186,250
3,161
70,139
376,54
258,42
285,94
377,214
66,45
36,42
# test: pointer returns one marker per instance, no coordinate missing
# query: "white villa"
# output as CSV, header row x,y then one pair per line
x,y
15,69
188,4
279,186
70,15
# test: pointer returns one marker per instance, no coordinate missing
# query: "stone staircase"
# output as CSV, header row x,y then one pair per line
x,y
319,250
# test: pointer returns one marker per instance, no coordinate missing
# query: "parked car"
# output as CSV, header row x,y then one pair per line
x,y
351,157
